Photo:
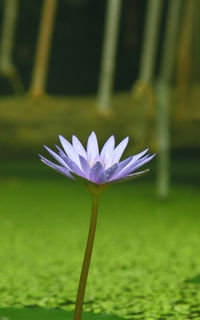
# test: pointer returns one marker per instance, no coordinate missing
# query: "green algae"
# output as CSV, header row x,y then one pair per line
x,y
145,256
48,314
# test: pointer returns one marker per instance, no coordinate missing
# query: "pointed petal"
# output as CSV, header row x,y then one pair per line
x,y
107,174
66,158
56,156
135,166
123,164
130,177
141,163
107,149
96,171
85,166
139,155
78,147
128,168
61,153
74,168
92,148
56,167
141,160
117,153
69,150
119,150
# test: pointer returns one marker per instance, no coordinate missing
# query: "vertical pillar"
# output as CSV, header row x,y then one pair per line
x,y
39,76
163,96
106,78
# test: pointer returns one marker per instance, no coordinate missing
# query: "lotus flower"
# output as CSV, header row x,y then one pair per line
x,y
92,166
95,170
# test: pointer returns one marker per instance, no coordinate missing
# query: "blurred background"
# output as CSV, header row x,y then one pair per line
x,y
128,68
123,67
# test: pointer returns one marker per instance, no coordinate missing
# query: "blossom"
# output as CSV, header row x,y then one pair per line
x,y
92,166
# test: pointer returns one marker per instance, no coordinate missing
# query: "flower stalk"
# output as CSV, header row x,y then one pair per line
x,y
87,258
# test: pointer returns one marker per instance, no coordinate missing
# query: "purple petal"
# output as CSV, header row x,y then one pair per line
x,y
139,155
120,149
125,170
85,166
107,149
129,168
74,168
117,153
130,176
107,174
96,171
69,150
56,167
141,160
61,153
56,156
92,148
123,164
135,166
144,161
78,147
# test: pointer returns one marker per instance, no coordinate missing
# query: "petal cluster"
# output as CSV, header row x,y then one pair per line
x,y
92,165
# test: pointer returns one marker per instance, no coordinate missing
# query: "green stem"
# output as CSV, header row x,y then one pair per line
x,y
86,260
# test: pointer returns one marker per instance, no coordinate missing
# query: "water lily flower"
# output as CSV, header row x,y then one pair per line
x,y
96,170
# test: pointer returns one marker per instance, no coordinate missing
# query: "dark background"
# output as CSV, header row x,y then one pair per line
x,y
77,45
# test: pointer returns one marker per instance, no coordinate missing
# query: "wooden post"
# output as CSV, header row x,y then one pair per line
x,y
142,87
106,78
7,68
150,43
142,90
197,39
163,96
40,69
185,62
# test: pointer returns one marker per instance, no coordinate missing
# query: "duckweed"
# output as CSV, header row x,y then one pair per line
x,y
146,258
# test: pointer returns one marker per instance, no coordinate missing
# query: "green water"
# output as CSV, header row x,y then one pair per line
x,y
146,259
